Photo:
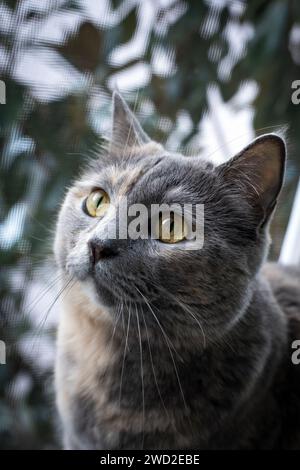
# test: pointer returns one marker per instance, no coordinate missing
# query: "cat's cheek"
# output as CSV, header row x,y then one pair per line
x,y
78,262
59,248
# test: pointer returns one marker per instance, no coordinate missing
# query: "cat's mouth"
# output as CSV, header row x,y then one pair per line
x,y
96,283
110,281
108,288
114,287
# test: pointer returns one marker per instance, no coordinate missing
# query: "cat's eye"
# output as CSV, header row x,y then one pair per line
x,y
172,228
97,203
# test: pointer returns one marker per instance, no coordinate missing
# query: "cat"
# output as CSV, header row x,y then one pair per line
x,y
163,347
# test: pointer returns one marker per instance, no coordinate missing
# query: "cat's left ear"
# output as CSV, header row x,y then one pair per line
x,y
257,173
126,130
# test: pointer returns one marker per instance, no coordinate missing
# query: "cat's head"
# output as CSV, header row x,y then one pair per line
x,y
168,277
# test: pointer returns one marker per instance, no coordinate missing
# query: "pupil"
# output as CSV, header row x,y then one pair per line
x,y
99,201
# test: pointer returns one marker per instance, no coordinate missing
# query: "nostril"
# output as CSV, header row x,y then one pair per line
x,y
100,250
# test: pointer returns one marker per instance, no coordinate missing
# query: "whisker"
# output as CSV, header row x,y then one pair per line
x,y
142,376
23,314
185,307
167,343
41,325
113,333
43,293
124,356
48,230
158,322
152,365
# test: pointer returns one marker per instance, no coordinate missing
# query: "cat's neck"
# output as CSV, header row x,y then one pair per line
x,y
93,362
133,323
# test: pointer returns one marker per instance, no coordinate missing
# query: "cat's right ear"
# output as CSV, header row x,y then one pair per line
x,y
256,174
126,130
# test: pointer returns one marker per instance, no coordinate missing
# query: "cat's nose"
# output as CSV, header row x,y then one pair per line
x,y
100,249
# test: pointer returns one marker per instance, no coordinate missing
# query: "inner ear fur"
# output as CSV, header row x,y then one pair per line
x,y
258,172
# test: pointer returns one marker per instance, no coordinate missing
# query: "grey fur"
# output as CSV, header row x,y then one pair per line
x,y
215,335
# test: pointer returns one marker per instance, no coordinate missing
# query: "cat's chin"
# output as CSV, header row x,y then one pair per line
x,y
101,296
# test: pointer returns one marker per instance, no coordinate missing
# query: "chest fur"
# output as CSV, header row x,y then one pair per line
x,y
116,395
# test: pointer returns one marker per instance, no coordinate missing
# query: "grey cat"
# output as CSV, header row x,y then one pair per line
x,y
161,347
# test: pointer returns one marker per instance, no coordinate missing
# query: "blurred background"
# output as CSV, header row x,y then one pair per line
x,y
203,77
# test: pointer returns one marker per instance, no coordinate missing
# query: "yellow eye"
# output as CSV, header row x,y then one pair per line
x,y
172,228
97,203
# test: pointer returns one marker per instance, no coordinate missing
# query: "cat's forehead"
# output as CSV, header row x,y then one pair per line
x,y
153,175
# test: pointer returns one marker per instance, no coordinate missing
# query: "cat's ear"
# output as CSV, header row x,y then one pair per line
x,y
126,130
257,172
